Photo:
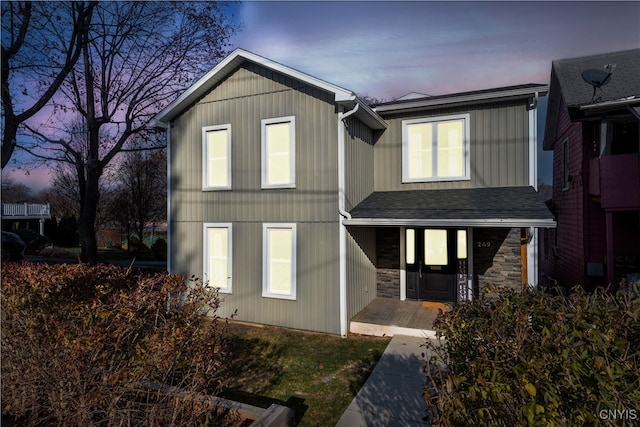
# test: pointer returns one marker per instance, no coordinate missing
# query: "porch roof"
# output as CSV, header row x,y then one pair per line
x,y
470,207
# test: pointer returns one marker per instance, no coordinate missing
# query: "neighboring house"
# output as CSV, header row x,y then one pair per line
x,y
302,204
593,130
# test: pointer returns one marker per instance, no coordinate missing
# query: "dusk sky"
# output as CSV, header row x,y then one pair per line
x,y
388,49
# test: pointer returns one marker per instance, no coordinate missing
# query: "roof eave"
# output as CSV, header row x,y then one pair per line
x,y
235,59
435,101
453,222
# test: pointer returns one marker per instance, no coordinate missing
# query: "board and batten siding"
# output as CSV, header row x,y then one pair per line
x,y
361,269
246,97
499,148
361,241
359,158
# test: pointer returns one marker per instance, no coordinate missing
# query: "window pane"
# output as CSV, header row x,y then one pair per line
x,y
217,161
420,150
435,247
462,244
451,148
411,246
218,262
280,247
279,153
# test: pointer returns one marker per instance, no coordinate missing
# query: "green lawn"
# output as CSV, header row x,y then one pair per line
x,y
316,374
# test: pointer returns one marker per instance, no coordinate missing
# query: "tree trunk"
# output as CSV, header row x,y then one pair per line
x,y
88,214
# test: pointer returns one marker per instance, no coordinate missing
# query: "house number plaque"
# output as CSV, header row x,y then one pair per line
x,y
484,244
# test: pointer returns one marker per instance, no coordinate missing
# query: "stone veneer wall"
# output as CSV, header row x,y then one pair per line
x,y
388,265
496,257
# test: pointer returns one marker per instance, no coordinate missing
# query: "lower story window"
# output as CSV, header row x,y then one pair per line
x,y
279,261
217,256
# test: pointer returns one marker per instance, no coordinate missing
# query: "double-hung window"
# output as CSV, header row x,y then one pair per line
x,y
217,255
435,149
279,152
279,261
216,157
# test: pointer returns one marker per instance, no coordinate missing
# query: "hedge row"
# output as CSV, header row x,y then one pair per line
x,y
81,346
533,359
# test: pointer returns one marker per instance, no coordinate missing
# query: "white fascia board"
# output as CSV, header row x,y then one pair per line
x,y
437,101
225,66
495,222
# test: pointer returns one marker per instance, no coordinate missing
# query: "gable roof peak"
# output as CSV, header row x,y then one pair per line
x,y
343,96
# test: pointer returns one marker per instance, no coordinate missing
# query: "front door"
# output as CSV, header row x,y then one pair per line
x,y
432,262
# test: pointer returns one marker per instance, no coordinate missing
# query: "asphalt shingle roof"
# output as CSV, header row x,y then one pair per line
x,y
502,203
624,82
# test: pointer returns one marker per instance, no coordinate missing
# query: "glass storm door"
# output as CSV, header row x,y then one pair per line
x,y
432,258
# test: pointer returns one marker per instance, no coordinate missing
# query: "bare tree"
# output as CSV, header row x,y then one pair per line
x,y
140,196
41,43
137,57
15,192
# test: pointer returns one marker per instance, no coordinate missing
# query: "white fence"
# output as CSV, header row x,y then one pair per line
x,y
26,210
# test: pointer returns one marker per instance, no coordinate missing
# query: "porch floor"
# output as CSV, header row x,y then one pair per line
x,y
389,317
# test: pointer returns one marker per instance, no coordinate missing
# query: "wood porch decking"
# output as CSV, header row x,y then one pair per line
x,y
388,317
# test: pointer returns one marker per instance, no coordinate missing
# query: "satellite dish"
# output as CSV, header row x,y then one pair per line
x,y
598,78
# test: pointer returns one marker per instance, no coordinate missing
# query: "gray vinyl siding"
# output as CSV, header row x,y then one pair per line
x,y
499,149
317,292
361,241
359,175
242,100
361,268
315,196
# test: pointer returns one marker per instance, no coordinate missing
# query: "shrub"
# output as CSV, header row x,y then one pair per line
x,y
159,249
139,249
85,346
529,358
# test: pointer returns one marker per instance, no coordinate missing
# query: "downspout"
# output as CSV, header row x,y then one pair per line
x,y
343,214
532,232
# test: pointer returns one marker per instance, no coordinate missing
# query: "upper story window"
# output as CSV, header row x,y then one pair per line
x,y
435,149
279,152
216,157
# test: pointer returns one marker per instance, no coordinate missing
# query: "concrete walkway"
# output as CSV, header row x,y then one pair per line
x,y
392,395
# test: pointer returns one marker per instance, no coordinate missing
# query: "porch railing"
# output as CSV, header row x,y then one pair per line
x,y
26,210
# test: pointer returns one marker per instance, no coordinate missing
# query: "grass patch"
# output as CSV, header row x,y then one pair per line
x,y
316,374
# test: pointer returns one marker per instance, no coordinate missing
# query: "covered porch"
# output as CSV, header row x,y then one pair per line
x,y
389,317
441,247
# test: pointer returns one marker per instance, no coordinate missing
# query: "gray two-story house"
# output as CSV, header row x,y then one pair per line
x,y
303,205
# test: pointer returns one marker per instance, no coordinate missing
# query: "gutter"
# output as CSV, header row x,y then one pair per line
x,y
343,215
454,222
617,103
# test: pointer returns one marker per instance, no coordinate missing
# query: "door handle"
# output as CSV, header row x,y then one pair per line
x,y
420,269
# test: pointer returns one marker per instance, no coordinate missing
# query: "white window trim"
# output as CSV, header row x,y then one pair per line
x,y
292,158
265,260
205,252
205,158
465,143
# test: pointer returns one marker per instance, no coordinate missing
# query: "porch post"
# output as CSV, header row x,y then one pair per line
x,y
610,259
403,265
470,262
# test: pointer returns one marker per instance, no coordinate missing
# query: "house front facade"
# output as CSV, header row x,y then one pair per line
x,y
302,204
592,127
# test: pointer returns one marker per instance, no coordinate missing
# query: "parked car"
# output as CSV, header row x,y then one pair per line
x,y
12,247
35,241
